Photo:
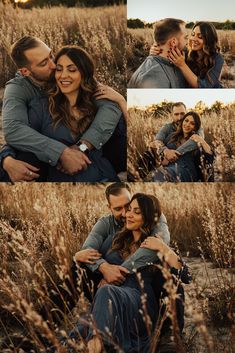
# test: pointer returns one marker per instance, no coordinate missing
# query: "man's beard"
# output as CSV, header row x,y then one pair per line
x,y
121,221
39,78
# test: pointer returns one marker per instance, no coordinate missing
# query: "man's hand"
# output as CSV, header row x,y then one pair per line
x,y
171,155
19,170
156,144
88,256
113,273
72,161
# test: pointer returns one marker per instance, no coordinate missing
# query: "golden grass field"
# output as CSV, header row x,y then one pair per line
x,y
140,40
218,124
42,228
101,31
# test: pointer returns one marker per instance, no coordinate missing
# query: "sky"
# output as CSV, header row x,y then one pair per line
x,y
204,10
146,97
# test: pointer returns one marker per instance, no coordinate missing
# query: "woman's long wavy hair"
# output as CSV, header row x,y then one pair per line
x,y
59,107
178,135
201,62
151,211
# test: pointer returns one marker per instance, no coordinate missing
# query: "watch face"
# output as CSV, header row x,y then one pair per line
x,y
83,147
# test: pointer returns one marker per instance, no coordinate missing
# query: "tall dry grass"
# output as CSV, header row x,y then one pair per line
x,y
218,124
41,229
101,31
139,42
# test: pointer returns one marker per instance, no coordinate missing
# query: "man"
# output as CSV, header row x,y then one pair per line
x,y
35,64
148,160
158,71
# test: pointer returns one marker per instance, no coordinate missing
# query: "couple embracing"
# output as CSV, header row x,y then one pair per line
x,y
177,61
59,123
126,257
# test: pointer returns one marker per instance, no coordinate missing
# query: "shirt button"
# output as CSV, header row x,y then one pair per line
x,y
100,143
49,161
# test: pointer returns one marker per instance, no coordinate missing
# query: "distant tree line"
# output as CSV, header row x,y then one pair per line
x,y
68,3
137,23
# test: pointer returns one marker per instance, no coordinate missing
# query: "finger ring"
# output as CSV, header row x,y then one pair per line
x,y
30,173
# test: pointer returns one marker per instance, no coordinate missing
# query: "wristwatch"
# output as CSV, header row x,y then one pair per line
x,y
83,147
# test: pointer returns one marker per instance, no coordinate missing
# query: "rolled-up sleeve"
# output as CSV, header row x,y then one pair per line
x,y
6,151
211,80
95,239
19,134
104,124
162,229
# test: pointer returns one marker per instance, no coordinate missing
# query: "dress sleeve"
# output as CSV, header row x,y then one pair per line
x,y
211,80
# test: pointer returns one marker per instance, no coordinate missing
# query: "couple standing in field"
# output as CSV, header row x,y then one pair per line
x,y
59,123
179,152
171,65
127,256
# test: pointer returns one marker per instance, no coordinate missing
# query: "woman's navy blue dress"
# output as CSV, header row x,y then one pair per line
x,y
119,310
185,169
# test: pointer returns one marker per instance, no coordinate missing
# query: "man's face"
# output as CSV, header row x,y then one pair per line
x,y
182,37
40,63
178,113
118,205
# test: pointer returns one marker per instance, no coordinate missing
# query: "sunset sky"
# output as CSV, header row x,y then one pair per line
x,y
206,10
146,97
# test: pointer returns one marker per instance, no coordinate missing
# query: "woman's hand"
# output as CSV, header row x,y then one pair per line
x,y
89,256
197,138
153,243
177,57
19,170
106,92
155,50
201,142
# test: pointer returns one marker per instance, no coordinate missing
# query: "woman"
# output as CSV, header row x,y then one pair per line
x,y
69,110
187,166
203,65
125,323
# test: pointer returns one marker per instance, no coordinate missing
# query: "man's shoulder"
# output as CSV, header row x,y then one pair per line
x,y
19,80
168,126
152,63
22,86
108,219
150,74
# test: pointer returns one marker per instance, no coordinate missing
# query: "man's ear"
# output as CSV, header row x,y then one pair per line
x,y
24,71
173,42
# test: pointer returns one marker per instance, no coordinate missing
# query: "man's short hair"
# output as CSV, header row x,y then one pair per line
x,y
19,47
178,104
165,29
115,189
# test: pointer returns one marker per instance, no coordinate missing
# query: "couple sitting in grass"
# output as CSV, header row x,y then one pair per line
x,y
179,151
127,261
59,123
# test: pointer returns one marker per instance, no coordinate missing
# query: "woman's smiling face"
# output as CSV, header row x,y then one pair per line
x,y
134,217
188,125
67,75
196,40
